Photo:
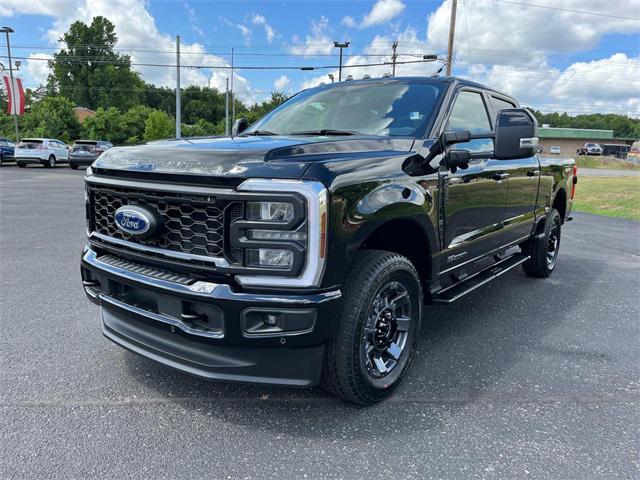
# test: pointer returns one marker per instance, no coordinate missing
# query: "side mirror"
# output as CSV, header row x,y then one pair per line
x,y
239,126
515,136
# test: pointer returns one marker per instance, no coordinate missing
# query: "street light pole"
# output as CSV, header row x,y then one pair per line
x,y
7,31
340,46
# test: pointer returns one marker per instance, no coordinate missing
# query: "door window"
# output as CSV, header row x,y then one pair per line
x,y
500,104
470,113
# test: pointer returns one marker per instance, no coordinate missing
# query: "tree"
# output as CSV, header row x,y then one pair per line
x,y
106,124
90,73
133,123
259,110
158,125
622,126
52,117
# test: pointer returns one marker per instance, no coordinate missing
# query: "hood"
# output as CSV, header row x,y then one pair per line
x,y
244,157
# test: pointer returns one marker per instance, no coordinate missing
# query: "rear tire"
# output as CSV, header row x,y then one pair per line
x,y
21,165
544,250
377,328
73,166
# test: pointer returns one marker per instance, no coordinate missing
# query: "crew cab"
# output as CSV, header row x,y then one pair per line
x,y
307,247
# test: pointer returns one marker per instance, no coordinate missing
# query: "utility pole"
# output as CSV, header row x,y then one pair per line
x,y
340,46
178,107
452,31
226,110
394,57
233,102
7,31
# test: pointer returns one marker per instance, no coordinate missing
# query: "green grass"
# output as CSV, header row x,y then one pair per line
x,y
606,162
610,196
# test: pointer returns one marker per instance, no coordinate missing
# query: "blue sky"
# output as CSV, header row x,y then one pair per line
x,y
568,55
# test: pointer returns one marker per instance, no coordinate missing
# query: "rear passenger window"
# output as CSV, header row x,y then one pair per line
x,y
470,113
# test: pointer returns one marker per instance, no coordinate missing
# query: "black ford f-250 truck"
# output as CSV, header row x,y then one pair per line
x,y
305,248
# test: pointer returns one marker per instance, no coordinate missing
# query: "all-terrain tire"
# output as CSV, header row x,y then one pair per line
x,y
345,371
544,249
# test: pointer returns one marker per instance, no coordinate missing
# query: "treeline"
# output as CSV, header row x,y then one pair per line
x,y
89,73
622,126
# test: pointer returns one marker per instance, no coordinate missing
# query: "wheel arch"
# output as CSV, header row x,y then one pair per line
x,y
407,237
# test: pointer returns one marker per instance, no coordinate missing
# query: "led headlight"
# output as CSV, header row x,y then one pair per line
x,y
277,235
270,211
270,257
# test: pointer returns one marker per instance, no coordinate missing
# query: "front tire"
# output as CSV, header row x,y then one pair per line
x,y
73,166
544,250
378,326
51,162
21,165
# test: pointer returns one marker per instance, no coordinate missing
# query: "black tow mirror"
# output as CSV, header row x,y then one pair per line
x,y
239,126
516,130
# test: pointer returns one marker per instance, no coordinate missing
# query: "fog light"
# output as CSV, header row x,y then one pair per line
x,y
270,257
271,319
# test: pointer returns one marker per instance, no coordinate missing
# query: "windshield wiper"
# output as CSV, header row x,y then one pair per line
x,y
326,131
259,133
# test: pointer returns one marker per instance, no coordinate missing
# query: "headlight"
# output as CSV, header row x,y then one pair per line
x,y
270,211
284,236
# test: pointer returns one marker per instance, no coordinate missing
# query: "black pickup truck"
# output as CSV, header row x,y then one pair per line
x,y
306,248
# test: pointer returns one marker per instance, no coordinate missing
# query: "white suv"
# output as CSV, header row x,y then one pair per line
x,y
45,151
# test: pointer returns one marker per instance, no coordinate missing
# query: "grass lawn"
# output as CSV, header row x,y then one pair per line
x,y
606,162
611,196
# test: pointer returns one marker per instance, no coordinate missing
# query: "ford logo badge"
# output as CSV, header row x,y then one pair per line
x,y
135,220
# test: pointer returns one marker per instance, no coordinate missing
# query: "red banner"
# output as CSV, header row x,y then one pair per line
x,y
15,94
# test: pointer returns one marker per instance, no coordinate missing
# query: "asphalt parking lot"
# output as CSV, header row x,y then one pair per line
x,y
524,378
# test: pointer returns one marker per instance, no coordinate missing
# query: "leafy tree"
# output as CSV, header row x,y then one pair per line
x,y
158,125
622,126
259,110
201,128
133,123
159,98
90,73
52,117
107,124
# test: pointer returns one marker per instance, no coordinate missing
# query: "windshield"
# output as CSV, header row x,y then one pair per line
x,y
390,108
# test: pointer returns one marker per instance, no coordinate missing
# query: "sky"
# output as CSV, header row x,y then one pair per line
x,y
575,56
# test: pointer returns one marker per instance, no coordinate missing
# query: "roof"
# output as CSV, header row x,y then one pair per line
x,y
84,108
584,133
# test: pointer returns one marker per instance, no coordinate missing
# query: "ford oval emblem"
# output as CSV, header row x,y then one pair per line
x,y
135,220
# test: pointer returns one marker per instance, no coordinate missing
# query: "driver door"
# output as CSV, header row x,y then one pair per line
x,y
474,198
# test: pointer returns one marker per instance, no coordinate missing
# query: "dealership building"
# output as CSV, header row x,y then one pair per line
x,y
571,139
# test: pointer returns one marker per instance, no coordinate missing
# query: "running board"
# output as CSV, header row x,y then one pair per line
x,y
453,292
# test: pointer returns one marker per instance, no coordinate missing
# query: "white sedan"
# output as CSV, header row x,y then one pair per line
x,y
43,151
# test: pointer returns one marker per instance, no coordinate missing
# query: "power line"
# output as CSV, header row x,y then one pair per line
x,y
583,12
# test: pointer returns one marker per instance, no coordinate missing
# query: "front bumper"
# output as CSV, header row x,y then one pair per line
x,y
208,329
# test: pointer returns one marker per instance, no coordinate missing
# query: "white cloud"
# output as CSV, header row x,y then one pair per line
x,y
318,42
408,42
491,32
382,11
137,30
268,29
282,83
349,22
9,8
603,85
244,30
38,70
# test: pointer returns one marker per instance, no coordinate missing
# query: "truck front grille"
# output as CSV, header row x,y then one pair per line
x,y
191,224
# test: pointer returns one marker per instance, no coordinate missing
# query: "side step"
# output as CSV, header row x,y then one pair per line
x,y
453,292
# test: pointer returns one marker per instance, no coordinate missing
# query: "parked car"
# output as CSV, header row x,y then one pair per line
x,y
304,249
554,150
590,149
7,148
44,151
84,152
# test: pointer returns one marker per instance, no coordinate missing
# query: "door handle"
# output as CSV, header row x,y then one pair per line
x,y
500,176
533,173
